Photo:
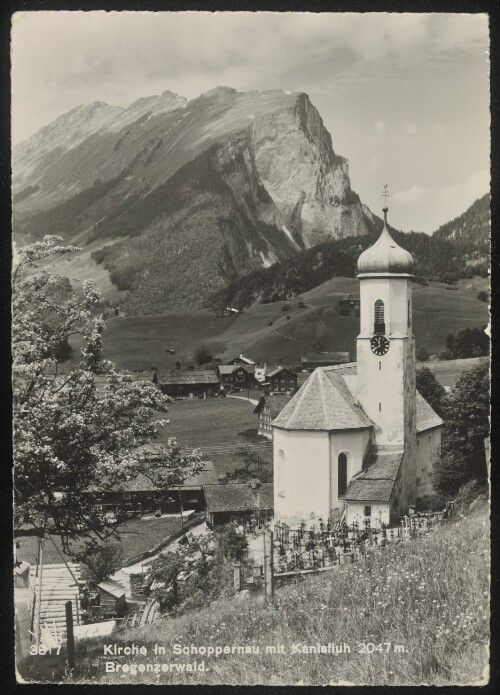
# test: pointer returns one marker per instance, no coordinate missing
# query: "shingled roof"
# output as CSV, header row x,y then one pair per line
x,y
277,370
205,376
142,483
324,402
376,482
426,418
230,368
239,497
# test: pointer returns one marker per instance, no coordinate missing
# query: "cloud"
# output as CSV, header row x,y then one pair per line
x,y
412,195
450,199
467,191
62,59
411,129
380,128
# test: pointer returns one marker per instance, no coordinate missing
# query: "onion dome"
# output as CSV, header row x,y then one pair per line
x,y
385,256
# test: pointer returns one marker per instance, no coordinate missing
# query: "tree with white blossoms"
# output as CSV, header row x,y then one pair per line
x,y
72,442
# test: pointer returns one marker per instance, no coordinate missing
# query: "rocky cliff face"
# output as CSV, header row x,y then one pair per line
x,y
218,185
306,179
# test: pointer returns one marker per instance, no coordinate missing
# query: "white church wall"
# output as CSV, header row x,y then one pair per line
x,y
353,443
428,454
302,479
379,513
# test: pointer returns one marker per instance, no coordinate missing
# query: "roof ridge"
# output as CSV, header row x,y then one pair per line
x,y
323,397
306,386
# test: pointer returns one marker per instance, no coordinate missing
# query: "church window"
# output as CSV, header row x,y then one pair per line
x,y
380,366
380,407
409,314
368,511
379,323
342,474
281,473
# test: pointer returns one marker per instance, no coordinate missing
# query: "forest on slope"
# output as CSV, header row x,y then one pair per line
x,y
456,250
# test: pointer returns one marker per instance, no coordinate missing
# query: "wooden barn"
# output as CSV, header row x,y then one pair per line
x,y
112,598
239,502
202,383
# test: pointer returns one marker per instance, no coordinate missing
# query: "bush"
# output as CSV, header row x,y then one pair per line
x,y
286,307
483,296
446,355
422,355
301,304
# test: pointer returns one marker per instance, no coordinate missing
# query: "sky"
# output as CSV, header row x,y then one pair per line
x,y
404,96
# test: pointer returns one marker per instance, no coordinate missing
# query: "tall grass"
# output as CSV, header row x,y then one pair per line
x,y
429,595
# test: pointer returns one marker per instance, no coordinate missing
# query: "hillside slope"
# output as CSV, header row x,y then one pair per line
x,y
428,595
456,250
202,190
264,332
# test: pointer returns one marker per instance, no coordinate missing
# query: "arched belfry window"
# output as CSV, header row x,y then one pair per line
x,y
379,322
342,474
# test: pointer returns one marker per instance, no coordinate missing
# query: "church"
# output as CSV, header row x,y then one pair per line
x,y
357,440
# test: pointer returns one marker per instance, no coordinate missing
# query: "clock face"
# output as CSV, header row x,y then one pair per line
x,y
379,345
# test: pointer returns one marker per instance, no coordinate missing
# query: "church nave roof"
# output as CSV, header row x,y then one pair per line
x,y
325,403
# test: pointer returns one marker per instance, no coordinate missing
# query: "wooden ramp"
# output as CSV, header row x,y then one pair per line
x,y
59,583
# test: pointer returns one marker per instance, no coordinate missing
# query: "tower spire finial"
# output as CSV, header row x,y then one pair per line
x,y
385,195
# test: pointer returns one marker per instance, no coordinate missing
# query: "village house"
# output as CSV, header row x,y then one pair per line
x,y
188,384
357,440
236,377
239,502
139,496
280,380
267,409
323,359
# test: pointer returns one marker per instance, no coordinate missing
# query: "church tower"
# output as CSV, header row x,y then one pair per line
x,y
386,348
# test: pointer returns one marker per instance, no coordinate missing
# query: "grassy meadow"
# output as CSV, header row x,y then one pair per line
x,y
280,332
428,596
218,425
136,536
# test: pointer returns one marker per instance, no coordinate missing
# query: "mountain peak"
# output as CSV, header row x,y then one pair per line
x,y
219,91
